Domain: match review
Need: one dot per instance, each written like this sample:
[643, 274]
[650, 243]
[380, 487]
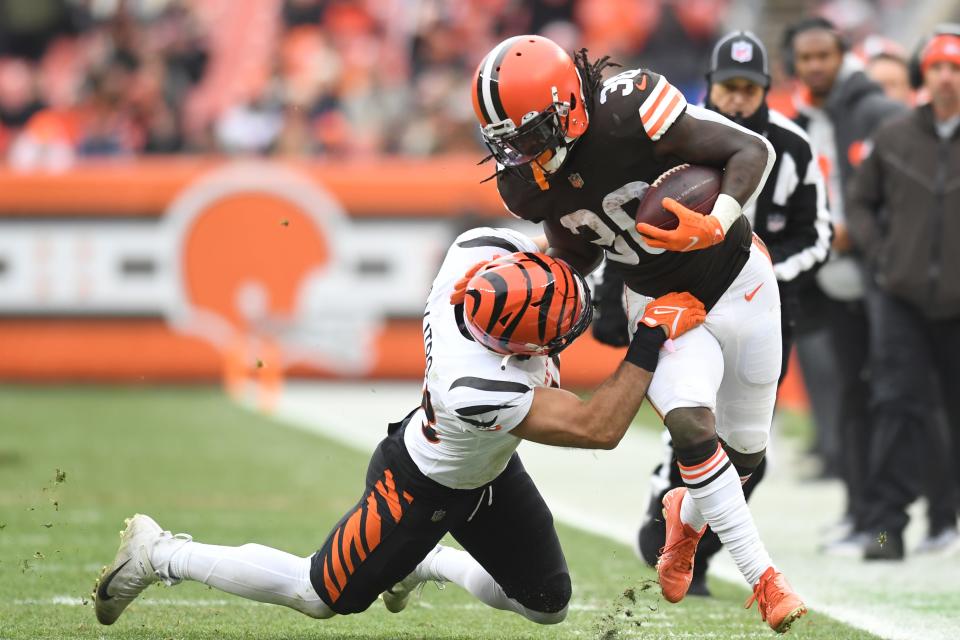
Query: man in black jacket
[840, 109]
[902, 207]
[790, 217]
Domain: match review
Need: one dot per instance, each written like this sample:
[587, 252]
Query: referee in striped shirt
[790, 216]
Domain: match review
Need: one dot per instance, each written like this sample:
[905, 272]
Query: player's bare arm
[743, 156]
[702, 137]
[560, 418]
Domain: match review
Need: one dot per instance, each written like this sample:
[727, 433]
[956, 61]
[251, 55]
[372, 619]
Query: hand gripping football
[694, 186]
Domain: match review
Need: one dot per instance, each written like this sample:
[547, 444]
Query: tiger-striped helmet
[528, 98]
[527, 304]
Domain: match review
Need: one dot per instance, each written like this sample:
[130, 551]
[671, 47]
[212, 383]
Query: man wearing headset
[903, 206]
[791, 218]
[839, 107]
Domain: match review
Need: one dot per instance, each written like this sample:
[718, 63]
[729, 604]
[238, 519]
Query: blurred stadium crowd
[292, 77]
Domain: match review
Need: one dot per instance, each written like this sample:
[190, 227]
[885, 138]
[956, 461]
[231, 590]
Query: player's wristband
[644, 349]
[727, 210]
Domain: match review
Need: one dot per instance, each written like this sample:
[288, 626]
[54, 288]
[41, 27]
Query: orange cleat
[675, 567]
[779, 604]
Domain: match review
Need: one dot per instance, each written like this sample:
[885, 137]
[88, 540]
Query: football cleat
[131, 571]
[395, 598]
[779, 604]
[675, 567]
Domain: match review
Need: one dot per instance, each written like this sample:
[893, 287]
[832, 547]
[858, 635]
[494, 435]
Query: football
[693, 186]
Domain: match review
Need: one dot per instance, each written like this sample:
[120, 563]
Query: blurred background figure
[903, 215]
[885, 62]
[888, 64]
[839, 107]
[335, 77]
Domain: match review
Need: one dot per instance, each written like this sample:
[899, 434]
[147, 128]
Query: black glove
[610, 319]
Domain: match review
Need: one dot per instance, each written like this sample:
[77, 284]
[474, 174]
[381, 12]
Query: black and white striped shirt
[791, 214]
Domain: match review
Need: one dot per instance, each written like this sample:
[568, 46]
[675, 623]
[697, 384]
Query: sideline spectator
[902, 208]
[887, 65]
[839, 110]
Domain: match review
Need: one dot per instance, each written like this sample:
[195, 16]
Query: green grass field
[74, 462]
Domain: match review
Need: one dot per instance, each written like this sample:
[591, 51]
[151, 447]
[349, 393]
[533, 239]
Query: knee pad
[548, 601]
[747, 440]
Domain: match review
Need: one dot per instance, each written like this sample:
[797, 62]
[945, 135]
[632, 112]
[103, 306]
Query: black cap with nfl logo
[740, 55]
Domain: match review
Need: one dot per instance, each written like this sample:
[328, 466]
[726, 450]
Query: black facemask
[756, 122]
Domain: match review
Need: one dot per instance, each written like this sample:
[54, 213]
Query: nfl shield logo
[438, 515]
[575, 180]
[742, 51]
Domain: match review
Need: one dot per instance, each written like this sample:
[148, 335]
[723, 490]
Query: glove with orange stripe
[694, 231]
[677, 313]
[460, 288]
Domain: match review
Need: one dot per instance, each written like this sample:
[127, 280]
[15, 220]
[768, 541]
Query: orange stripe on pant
[389, 494]
[352, 535]
[351, 540]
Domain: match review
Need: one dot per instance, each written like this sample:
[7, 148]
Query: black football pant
[402, 514]
[911, 356]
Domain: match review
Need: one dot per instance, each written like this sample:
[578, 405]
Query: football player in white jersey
[491, 339]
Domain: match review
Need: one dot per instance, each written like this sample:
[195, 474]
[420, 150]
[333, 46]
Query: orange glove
[460, 288]
[695, 231]
[677, 313]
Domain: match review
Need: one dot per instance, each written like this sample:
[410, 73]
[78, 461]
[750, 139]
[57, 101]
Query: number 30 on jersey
[617, 232]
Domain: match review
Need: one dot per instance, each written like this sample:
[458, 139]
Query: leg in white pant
[250, 571]
[459, 567]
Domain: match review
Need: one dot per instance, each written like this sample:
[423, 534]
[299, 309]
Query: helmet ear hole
[573, 101]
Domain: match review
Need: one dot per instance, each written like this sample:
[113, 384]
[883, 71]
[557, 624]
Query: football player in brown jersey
[578, 153]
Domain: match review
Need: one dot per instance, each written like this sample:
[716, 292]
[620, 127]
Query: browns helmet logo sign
[257, 268]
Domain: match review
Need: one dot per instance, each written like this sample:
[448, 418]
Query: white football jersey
[472, 397]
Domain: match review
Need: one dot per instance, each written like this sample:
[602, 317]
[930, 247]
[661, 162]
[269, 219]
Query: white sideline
[884, 599]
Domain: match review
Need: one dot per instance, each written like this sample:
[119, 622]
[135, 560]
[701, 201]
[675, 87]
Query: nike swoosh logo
[749, 296]
[642, 84]
[693, 240]
[102, 589]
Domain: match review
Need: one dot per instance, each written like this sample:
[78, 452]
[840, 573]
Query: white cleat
[395, 598]
[945, 543]
[131, 572]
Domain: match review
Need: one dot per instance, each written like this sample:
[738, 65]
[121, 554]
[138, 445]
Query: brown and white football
[693, 186]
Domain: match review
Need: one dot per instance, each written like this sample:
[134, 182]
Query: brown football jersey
[595, 194]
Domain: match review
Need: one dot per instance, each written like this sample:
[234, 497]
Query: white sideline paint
[605, 492]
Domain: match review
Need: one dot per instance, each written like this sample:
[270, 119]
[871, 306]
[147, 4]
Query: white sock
[689, 514]
[251, 571]
[459, 567]
[716, 498]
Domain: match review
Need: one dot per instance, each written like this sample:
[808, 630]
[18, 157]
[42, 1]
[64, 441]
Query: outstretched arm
[560, 418]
